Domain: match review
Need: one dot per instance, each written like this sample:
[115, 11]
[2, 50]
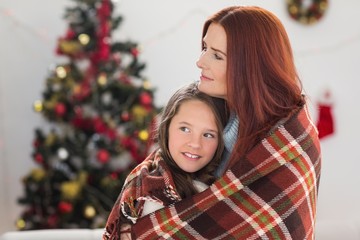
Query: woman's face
[193, 136]
[212, 62]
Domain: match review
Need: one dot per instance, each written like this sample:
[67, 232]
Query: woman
[269, 176]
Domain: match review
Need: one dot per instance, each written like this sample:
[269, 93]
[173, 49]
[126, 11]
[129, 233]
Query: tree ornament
[38, 106]
[62, 153]
[50, 139]
[106, 98]
[52, 221]
[60, 109]
[70, 190]
[125, 116]
[38, 174]
[139, 113]
[69, 47]
[143, 135]
[65, 207]
[102, 79]
[103, 156]
[39, 158]
[134, 52]
[89, 212]
[20, 224]
[61, 72]
[99, 125]
[49, 104]
[145, 99]
[147, 85]
[84, 39]
[310, 14]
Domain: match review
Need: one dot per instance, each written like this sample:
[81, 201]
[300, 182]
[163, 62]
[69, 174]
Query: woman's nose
[200, 62]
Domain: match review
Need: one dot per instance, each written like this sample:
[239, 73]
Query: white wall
[327, 55]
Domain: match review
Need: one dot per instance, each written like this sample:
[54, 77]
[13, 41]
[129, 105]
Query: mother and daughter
[238, 156]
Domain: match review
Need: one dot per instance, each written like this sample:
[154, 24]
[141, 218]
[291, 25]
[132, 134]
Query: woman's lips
[204, 78]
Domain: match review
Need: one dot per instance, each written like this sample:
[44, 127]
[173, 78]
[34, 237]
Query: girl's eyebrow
[188, 124]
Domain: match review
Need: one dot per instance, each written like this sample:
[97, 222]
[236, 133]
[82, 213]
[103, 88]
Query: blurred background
[327, 54]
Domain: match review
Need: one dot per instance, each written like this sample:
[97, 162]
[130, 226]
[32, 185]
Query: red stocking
[325, 122]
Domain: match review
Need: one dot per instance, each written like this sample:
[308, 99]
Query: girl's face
[193, 136]
[212, 62]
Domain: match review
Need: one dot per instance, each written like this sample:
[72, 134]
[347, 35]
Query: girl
[190, 147]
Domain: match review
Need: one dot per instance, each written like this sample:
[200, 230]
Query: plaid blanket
[151, 180]
[269, 194]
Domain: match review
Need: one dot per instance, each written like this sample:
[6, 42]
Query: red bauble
[65, 207]
[145, 99]
[135, 52]
[99, 125]
[36, 143]
[70, 34]
[125, 116]
[60, 109]
[103, 156]
[114, 176]
[52, 221]
[39, 158]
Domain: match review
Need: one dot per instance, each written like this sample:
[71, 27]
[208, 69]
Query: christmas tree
[100, 111]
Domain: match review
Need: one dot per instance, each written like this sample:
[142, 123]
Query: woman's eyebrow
[218, 50]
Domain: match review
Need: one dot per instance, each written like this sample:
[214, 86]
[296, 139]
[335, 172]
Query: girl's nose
[194, 142]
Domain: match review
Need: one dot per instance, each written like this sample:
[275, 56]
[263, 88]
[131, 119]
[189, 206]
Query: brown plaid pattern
[269, 194]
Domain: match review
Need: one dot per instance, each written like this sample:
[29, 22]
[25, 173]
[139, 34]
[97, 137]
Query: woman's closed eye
[217, 56]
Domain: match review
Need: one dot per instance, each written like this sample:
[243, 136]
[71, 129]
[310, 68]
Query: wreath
[307, 15]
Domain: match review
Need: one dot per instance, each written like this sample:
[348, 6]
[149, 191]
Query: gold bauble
[147, 84]
[70, 190]
[143, 135]
[89, 212]
[50, 105]
[38, 174]
[61, 72]
[70, 47]
[102, 79]
[38, 106]
[84, 39]
[20, 224]
[83, 177]
[50, 139]
[139, 112]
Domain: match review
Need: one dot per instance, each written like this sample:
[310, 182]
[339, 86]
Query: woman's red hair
[260, 70]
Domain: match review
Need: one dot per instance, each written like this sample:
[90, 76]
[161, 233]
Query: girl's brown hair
[182, 179]
[263, 85]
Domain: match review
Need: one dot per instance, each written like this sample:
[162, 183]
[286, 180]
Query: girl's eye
[209, 135]
[184, 129]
